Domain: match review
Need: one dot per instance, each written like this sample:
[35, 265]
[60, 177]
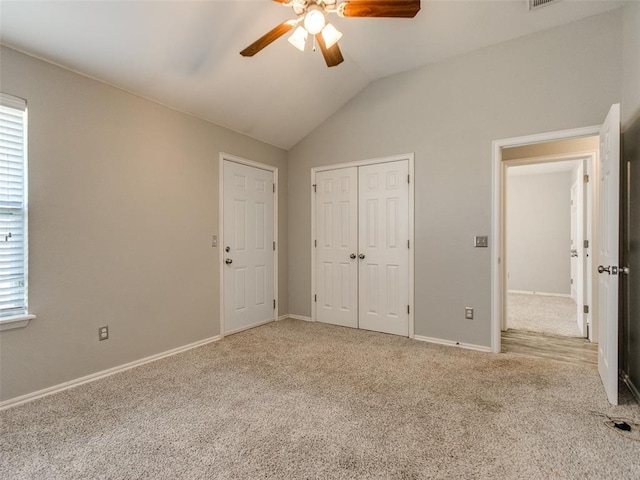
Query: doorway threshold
[573, 350]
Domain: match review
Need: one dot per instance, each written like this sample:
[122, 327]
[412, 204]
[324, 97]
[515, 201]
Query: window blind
[13, 225]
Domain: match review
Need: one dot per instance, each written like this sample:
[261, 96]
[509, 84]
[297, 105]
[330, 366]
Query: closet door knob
[361, 256]
[352, 256]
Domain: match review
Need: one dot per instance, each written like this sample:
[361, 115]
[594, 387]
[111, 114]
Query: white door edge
[410, 157]
[232, 158]
[498, 169]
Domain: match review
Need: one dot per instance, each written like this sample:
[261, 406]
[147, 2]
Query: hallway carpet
[294, 400]
[543, 314]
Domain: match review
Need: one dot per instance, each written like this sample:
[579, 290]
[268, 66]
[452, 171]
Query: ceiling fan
[312, 19]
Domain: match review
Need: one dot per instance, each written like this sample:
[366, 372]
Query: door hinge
[586, 244]
[586, 179]
[408, 243]
[314, 187]
[315, 243]
[274, 188]
[274, 246]
[315, 298]
[585, 309]
[408, 178]
[274, 303]
[408, 309]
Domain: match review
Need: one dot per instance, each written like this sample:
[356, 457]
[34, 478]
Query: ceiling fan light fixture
[331, 35]
[299, 38]
[314, 21]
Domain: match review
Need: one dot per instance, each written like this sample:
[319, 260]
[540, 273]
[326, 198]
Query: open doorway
[548, 226]
[545, 225]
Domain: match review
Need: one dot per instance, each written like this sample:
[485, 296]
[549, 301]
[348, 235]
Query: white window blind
[13, 213]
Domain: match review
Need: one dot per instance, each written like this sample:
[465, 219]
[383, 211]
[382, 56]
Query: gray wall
[538, 214]
[448, 114]
[631, 61]
[123, 203]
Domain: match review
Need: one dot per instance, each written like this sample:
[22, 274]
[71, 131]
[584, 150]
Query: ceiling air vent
[534, 4]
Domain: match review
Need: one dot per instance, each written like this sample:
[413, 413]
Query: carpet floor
[294, 399]
[542, 314]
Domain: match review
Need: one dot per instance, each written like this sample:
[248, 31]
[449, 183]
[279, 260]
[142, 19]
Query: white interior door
[608, 228]
[574, 240]
[383, 247]
[580, 237]
[336, 210]
[248, 229]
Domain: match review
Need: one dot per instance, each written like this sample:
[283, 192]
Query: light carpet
[294, 399]
[543, 314]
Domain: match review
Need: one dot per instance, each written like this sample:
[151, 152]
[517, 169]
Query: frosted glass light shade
[314, 21]
[299, 38]
[331, 35]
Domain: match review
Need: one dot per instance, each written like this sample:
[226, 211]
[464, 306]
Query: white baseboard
[451, 343]
[632, 387]
[547, 294]
[281, 317]
[300, 317]
[29, 397]
[248, 327]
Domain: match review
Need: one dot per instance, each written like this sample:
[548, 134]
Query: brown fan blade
[333, 55]
[267, 39]
[380, 8]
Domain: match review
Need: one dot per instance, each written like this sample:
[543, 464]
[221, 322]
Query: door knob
[227, 249]
[352, 256]
[602, 269]
[228, 261]
[574, 252]
[361, 256]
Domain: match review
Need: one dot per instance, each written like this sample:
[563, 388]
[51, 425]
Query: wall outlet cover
[480, 241]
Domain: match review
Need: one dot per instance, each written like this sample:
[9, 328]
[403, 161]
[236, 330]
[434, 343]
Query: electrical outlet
[214, 241]
[480, 241]
[103, 333]
[468, 313]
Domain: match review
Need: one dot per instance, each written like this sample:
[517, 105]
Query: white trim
[17, 321]
[498, 168]
[546, 294]
[410, 158]
[451, 343]
[263, 166]
[253, 325]
[301, 317]
[282, 317]
[29, 397]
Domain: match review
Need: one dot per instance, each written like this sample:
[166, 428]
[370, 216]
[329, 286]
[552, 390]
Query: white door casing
[574, 241]
[336, 213]
[608, 228]
[248, 246]
[580, 282]
[383, 248]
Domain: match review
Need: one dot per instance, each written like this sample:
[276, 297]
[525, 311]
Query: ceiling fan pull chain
[314, 43]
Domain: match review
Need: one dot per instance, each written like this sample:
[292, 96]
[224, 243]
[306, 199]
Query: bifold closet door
[337, 247]
[383, 248]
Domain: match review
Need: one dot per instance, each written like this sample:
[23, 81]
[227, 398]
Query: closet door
[383, 247]
[337, 247]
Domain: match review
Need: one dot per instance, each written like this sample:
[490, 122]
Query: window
[13, 209]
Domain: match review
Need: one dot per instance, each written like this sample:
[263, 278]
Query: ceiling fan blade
[333, 55]
[380, 8]
[267, 39]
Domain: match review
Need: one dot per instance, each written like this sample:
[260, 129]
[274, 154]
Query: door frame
[590, 158]
[361, 163]
[263, 166]
[498, 253]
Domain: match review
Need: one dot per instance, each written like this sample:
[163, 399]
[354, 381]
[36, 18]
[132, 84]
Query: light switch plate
[214, 241]
[480, 241]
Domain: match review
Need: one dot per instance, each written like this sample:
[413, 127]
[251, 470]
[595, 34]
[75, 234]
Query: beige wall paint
[631, 63]
[448, 114]
[123, 203]
[538, 231]
[559, 147]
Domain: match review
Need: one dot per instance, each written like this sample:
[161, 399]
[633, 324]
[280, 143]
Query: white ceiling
[185, 54]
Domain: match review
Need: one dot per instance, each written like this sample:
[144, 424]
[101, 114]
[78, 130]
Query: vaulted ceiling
[186, 54]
